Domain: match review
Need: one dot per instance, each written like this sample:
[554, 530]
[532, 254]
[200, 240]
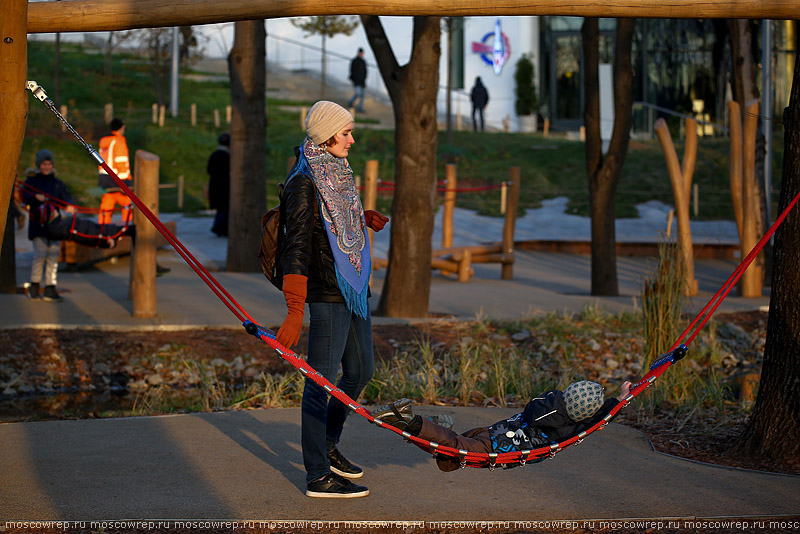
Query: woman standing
[326, 262]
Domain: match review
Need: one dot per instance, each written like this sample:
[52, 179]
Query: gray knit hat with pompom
[583, 399]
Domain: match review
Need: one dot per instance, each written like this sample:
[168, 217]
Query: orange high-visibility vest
[114, 150]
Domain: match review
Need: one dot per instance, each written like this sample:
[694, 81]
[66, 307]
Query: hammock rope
[465, 458]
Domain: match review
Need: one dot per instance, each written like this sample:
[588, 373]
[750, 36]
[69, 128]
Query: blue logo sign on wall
[494, 48]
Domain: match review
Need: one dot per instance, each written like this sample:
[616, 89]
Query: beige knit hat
[325, 119]
[583, 399]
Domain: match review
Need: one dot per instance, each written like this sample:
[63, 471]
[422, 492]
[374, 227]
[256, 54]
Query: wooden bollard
[546, 127]
[108, 112]
[507, 270]
[371, 198]
[180, 192]
[228, 114]
[143, 262]
[194, 114]
[449, 205]
[503, 198]
[735, 162]
[216, 118]
[155, 113]
[750, 285]
[162, 112]
[64, 114]
[680, 191]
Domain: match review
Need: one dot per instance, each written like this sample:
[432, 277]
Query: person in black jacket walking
[325, 260]
[41, 189]
[219, 184]
[549, 418]
[479, 97]
[358, 75]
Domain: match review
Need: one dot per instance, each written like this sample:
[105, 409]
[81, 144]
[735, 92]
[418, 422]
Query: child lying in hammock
[549, 418]
[82, 231]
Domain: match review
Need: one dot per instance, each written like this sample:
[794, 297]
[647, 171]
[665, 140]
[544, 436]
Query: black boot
[33, 291]
[51, 295]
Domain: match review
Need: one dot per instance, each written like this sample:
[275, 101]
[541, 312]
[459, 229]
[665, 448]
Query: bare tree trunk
[413, 89]
[604, 171]
[773, 430]
[247, 68]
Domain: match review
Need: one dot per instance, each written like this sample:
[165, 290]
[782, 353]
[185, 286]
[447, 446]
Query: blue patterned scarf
[343, 219]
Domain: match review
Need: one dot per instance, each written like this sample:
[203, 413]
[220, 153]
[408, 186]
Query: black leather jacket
[305, 248]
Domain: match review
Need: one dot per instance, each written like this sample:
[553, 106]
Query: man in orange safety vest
[114, 150]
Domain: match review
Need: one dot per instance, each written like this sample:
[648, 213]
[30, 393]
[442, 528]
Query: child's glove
[375, 219]
[294, 291]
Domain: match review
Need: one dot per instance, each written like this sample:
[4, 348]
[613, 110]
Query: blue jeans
[357, 95]
[335, 336]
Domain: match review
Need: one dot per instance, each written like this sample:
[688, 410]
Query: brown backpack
[269, 251]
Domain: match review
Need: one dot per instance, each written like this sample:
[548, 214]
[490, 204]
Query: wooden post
[735, 162]
[751, 279]
[696, 199]
[194, 114]
[465, 266]
[155, 113]
[507, 270]
[228, 114]
[63, 114]
[459, 124]
[371, 184]
[13, 96]
[371, 198]
[108, 112]
[449, 205]
[180, 192]
[503, 198]
[681, 194]
[303, 112]
[546, 128]
[162, 111]
[143, 256]
[216, 118]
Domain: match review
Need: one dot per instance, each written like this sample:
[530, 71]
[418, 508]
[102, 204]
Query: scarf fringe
[356, 302]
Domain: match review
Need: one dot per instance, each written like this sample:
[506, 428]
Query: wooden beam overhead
[105, 15]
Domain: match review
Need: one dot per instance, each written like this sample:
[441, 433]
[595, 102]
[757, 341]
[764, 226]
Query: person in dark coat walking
[219, 184]
[479, 97]
[549, 418]
[358, 75]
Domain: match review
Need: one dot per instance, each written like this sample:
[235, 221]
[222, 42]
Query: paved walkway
[248, 465]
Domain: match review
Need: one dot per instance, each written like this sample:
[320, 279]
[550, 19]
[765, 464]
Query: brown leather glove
[294, 291]
[375, 219]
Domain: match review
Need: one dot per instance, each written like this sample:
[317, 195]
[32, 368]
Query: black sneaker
[342, 466]
[332, 486]
[33, 291]
[398, 414]
[51, 295]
